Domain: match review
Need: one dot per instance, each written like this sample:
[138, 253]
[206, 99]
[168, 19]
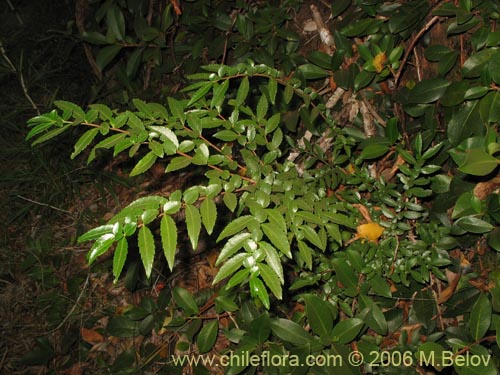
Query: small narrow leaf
[242, 93]
[278, 238]
[168, 232]
[119, 257]
[235, 226]
[232, 245]
[144, 164]
[271, 279]
[177, 163]
[230, 267]
[146, 249]
[193, 222]
[208, 211]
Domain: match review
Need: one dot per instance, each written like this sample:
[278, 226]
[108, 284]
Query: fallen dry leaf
[370, 231]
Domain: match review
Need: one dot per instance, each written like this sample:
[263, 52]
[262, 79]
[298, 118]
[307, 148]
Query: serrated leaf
[235, 226]
[95, 233]
[146, 249]
[318, 315]
[185, 300]
[232, 245]
[177, 108]
[270, 279]
[278, 238]
[306, 253]
[272, 88]
[346, 330]
[144, 164]
[480, 317]
[177, 163]
[262, 107]
[258, 290]
[193, 223]
[230, 200]
[208, 211]
[219, 94]
[273, 260]
[242, 93]
[119, 257]
[168, 233]
[312, 236]
[84, 141]
[51, 134]
[200, 93]
[100, 246]
[230, 267]
[207, 336]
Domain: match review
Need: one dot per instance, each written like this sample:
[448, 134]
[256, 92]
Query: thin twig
[44, 204]
[427, 26]
[74, 306]
[20, 76]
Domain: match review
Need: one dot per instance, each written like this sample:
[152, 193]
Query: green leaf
[273, 260]
[431, 353]
[177, 163]
[270, 279]
[144, 164]
[207, 336]
[474, 225]
[100, 246]
[95, 233]
[428, 91]
[478, 162]
[242, 93]
[146, 249]
[375, 318]
[219, 94]
[232, 245]
[345, 275]
[168, 232]
[363, 79]
[200, 93]
[464, 123]
[305, 253]
[278, 238]
[51, 134]
[374, 150]
[474, 65]
[230, 200]
[290, 331]
[262, 107]
[311, 71]
[318, 315]
[119, 257]
[185, 300]
[133, 63]
[167, 133]
[95, 37]
[338, 7]
[208, 211]
[489, 107]
[235, 226]
[84, 141]
[230, 267]
[272, 88]
[116, 21]
[106, 55]
[480, 317]
[347, 330]
[193, 223]
[177, 108]
[312, 236]
[258, 290]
